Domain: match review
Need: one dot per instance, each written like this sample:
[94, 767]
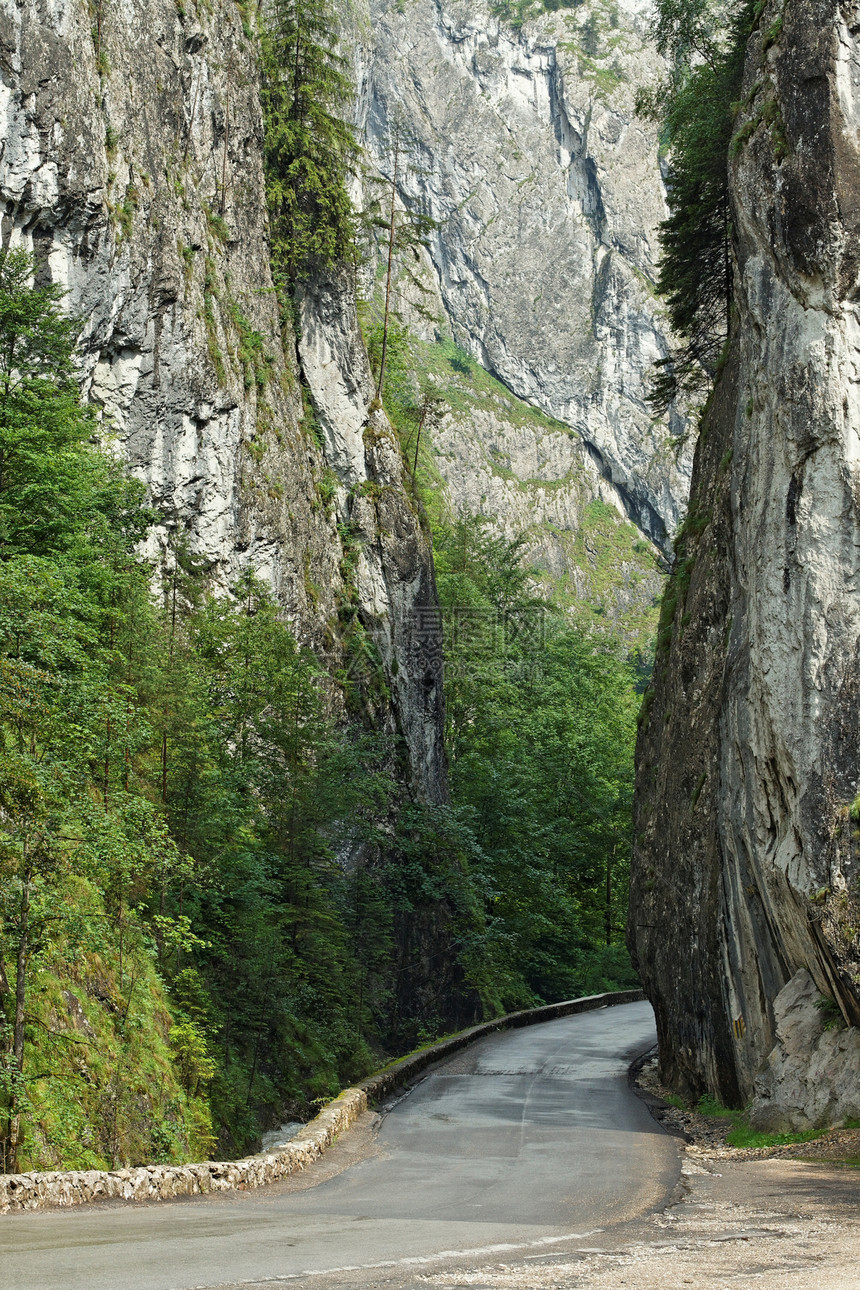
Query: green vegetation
[540, 731]
[465, 385]
[516, 12]
[595, 34]
[686, 551]
[184, 957]
[614, 589]
[404, 232]
[309, 150]
[540, 728]
[603, 547]
[212, 894]
[743, 1136]
[410, 399]
[705, 43]
[831, 1013]
[74, 840]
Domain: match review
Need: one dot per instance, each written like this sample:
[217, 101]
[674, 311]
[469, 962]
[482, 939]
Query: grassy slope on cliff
[598, 567]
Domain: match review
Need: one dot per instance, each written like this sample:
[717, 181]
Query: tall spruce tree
[310, 149]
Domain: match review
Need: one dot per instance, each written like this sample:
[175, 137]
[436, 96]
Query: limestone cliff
[745, 904]
[131, 165]
[531, 476]
[524, 146]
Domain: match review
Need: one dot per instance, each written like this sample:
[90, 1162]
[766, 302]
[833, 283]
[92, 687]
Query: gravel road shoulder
[772, 1224]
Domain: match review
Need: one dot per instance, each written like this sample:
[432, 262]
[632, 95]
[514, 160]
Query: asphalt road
[528, 1140]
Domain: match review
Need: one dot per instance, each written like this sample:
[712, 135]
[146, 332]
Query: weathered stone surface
[810, 1079]
[539, 481]
[161, 1182]
[525, 147]
[132, 167]
[745, 868]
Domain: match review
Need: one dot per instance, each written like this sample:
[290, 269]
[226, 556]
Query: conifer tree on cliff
[704, 42]
[309, 148]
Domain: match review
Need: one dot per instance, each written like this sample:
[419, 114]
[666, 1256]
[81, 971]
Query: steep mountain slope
[524, 146]
[745, 900]
[531, 476]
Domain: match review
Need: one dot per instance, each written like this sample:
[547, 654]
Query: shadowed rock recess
[745, 903]
[131, 166]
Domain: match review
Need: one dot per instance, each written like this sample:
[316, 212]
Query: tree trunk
[391, 231]
[424, 410]
[21, 973]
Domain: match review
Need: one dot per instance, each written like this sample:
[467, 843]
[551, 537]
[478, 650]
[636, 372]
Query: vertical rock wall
[745, 906]
[131, 165]
[524, 146]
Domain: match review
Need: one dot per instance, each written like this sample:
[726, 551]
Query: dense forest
[205, 866]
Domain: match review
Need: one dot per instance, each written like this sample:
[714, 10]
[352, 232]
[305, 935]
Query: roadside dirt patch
[769, 1224]
[837, 1146]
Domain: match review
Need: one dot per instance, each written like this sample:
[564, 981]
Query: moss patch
[106, 1055]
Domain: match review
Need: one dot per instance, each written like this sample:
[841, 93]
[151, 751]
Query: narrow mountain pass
[530, 1139]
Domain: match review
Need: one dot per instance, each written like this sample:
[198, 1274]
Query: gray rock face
[532, 477]
[525, 147]
[810, 1079]
[746, 865]
[131, 165]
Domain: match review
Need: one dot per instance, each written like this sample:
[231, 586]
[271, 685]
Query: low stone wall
[160, 1182]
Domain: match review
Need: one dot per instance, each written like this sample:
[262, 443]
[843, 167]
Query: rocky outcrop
[534, 478]
[810, 1078]
[525, 148]
[745, 867]
[131, 165]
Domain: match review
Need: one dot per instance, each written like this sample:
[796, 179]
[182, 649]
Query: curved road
[527, 1141]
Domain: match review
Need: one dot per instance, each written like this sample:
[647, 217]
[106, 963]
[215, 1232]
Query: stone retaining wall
[160, 1182]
